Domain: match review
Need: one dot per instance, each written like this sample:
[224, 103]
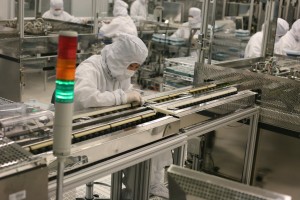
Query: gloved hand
[134, 96]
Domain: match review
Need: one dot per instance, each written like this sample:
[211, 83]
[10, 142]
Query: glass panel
[30, 8]
[73, 15]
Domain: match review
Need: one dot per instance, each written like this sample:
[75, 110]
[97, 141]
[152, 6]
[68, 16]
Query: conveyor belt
[175, 95]
[106, 111]
[193, 91]
[34, 133]
[197, 99]
[95, 131]
[205, 98]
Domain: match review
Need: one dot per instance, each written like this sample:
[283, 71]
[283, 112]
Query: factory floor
[278, 159]
[102, 190]
[277, 162]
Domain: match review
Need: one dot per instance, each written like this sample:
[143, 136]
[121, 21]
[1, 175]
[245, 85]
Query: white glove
[134, 96]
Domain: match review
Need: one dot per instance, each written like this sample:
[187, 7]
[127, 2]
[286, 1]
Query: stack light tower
[64, 97]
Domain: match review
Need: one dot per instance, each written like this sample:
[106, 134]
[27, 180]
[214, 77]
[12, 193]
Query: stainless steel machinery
[279, 124]
[30, 45]
[279, 66]
[22, 175]
[182, 183]
[107, 140]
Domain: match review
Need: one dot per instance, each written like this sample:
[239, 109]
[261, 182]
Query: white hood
[127, 49]
[295, 30]
[282, 27]
[194, 16]
[120, 8]
[56, 4]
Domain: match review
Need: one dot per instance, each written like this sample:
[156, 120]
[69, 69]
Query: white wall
[102, 6]
[80, 8]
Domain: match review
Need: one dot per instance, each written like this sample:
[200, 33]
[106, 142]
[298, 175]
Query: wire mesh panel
[11, 153]
[4, 101]
[279, 95]
[186, 184]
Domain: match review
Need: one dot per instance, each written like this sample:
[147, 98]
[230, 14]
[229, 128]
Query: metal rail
[116, 164]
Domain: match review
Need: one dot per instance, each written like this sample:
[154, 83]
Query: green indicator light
[64, 91]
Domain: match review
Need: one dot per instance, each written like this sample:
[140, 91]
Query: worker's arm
[87, 93]
[112, 29]
[178, 33]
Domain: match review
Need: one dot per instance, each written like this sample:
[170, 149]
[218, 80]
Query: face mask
[128, 74]
[57, 12]
[192, 21]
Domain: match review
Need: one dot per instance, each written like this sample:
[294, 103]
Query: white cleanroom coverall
[104, 80]
[290, 41]
[193, 22]
[57, 12]
[138, 10]
[122, 23]
[253, 48]
[281, 29]
[184, 30]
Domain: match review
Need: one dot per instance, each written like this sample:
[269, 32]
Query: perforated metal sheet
[5, 101]
[234, 106]
[278, 94]
[197, 185]
[11, 153]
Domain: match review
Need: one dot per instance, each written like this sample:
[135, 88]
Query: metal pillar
[142, 181]
[250, 15]
[116, 186]
[253, 114]
[224, 9]
[280, 8]
[287, 9]
[21, 18]
[89, 191]
[266, 28]
[212, 30]
[250, 150]
[298, 11]
[178, 155]
[137, 182]
[60, 176]
[202, 46]
[95, 14]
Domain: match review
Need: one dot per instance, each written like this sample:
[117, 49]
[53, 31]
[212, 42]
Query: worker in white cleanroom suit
[281, 29]
[290, 41]
[138, 10]
[104, 80]
[57, 12]
[253, 48]
[122, 23]
[194, 21]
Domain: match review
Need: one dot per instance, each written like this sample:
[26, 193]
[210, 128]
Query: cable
[104, 184]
